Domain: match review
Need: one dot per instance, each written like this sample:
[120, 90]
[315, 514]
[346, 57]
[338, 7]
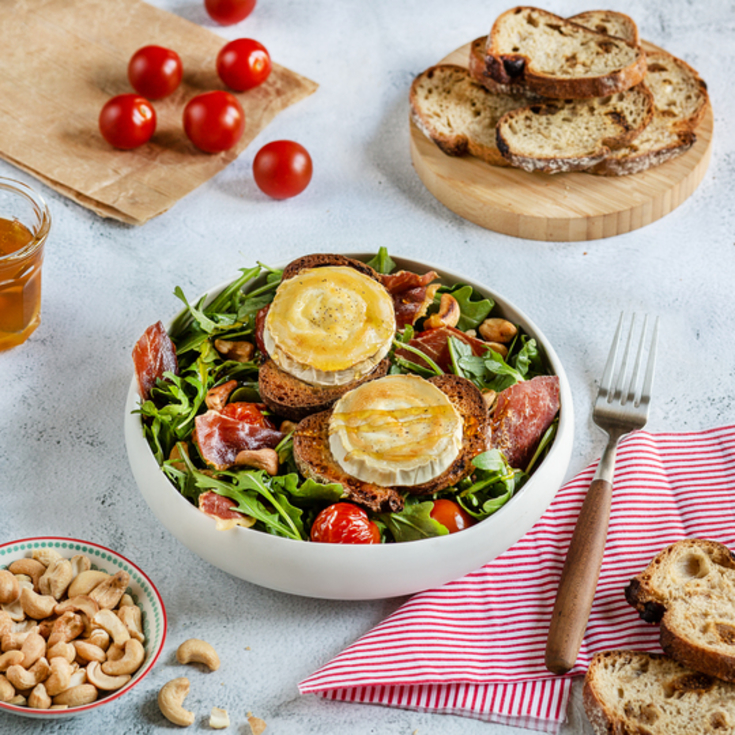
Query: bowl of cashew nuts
[80, 625]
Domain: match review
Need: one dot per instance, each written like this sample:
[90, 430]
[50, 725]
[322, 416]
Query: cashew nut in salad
[501, 349]
[489, 396]
[261, 459]
[197, 651]
[448, 314]
[133, 657]
[171, 699]
[216, 398]
[495, 329]
[240, 351]
[9, 587]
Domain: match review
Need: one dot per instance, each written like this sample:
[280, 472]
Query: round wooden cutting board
[558, 207]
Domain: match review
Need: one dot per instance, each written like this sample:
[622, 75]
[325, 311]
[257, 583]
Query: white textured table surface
[63, 467]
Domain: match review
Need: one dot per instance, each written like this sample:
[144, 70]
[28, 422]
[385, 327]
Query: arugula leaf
[309, 490]
[382, 262]
[414, 522]
[492, 485]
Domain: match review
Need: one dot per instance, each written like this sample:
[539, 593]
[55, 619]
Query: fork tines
[646, 355]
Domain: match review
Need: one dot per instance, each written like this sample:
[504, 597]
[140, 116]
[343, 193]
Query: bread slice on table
[690, 588]
[572, 135]
[315, 460]
[288, 396]
[558, 58]
[458, 114]
[628, 692]
[680, 100]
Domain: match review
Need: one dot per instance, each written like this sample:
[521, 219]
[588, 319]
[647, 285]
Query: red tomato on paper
[344, 523]
[214, 121]
[127, 121]
[282, 169]
[155, 71]
[243, 64]
[227, 12]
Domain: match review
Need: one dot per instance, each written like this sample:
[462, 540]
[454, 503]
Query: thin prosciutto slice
[153, 354]
[409, 294]
[434, 343]
[523, 412]
[221, 509]
[222, 435]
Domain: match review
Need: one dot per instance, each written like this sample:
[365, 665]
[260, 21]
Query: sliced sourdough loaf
[680, 100]
[632, 692]
[690, 588]
[459, 114]
[572, 135]
[558, 58]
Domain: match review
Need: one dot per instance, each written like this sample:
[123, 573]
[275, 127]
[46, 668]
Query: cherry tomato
[344, 523]
[127, 121]
[451, 515]
[243, 64]
[227, 12]
[214, 121]
[155, 72]
[249, 413]
[282, 169]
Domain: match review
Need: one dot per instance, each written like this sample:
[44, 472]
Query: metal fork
[617, 411]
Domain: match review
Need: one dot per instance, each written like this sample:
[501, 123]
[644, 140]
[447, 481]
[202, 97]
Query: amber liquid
[20, 284]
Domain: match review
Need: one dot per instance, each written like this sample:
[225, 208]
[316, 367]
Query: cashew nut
[197, 651]
[287, 427]
[216, 398]
[56, 579]
[240, 351]
[85, 582]
[60, 677]
[30, 567]
[77, 696]
[133, 620]
[448, 314]
[107, 594]
[9, 587]
[6, 622]
[170, 701]
[112, 624]
[489, 396]
[7, 690]
[83, 603]
[66, 628]
[261, 459]
[495, 329]
[10, 658]
[102, 681]
[36, 606]
[15, 609]
[219, 719]
[100, 638]
[46, 556]
[78, 677]
[39, 698]
[18, 700]
[63, 649]
[501, 349]
[130, 662]
[14, 639]
[22, 678]
[115, 652]
[86, 652]
[80, 563]
[34, 646]
[126, 600]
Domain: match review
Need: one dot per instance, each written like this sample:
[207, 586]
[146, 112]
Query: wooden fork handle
[579, 579]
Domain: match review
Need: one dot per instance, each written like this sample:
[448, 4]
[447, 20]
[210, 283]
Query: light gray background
[63, 467]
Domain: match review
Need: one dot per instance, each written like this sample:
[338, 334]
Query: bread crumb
[257, 725]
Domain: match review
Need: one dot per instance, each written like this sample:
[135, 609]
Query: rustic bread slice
[557, 58]
[680, 100]
[572, 135]
[690, 588]
[314, 458]
[288, 396]
[458, 114]
[632, 692]
[609, 22]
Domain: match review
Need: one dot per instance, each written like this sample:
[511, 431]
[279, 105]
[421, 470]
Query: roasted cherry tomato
[227, 12]
[282, 169]
[344, 523]
[451, 515]
[214, 121]
[250, 413]
[155, 72]
[243, 64]
[127, 121]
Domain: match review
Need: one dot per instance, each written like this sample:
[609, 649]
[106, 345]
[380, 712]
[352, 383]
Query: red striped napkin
[475, 646]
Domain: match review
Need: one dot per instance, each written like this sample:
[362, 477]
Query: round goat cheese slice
[329, 325]
[400, 430]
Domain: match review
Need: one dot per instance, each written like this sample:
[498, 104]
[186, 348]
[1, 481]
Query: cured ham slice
[523, 412]
[153, 354]
[409, 294]
[434, 343]
[221, 509]
[222, 435]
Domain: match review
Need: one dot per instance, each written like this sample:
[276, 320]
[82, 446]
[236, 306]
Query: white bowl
[141, 589]
[359, 572]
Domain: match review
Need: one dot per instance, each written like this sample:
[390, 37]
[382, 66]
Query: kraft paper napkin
[63, 59]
